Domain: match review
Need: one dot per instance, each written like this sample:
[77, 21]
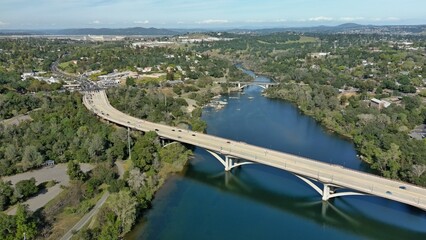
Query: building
[379, 104]
[319, 54]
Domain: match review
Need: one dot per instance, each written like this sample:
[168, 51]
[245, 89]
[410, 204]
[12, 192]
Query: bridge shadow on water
[311, 208]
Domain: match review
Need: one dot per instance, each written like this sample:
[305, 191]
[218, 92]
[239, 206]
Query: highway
[97, 102]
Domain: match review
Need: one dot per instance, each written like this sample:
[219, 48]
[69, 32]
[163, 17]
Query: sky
[57, 14]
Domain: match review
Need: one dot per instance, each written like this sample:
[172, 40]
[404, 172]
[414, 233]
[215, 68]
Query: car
[389, 192]
[228, 142]
[179, 130]
[403, 187]
[173, 130]
[179, 137]
[157, 130]
[193, 135]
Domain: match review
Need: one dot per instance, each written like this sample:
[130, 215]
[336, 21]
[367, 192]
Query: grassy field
[304, 39]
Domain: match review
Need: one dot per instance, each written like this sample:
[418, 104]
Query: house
[379, 104]
[319, 54]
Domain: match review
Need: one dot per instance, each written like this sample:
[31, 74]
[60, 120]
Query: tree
[123, 204]
[6, 193]
[31, 158]
[25, 224]
[144, 151]
[74, 171]
[130, 81]
[175, 152]
[7, 227]
[388, 161]
[411, 102]
[25, 188]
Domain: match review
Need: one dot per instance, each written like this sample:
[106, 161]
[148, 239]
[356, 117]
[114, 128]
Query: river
[260, 202]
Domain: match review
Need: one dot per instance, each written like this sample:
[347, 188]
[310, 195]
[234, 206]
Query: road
[57, 173]
[336, 175]
[85, 219]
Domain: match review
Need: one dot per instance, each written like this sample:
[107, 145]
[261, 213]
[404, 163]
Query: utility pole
[128, 141]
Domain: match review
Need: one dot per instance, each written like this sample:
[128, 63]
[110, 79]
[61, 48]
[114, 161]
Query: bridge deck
[323, 172]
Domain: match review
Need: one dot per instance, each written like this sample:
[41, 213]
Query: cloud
[254, 21]
[321, 18]
[393, 19]
[213, 21]
[2, 23]
[96, 22]
[281, 20]
[141, 22]
[351, 18]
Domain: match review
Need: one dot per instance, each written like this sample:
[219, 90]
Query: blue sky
[43, 14]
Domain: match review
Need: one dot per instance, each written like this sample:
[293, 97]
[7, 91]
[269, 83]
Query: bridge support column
[229, 162]
[326, 192]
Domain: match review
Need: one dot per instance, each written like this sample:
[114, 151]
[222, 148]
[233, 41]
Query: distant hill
[343, 28]
[94, 31]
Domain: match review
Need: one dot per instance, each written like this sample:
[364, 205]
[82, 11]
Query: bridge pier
[328, 190]
[229, 162]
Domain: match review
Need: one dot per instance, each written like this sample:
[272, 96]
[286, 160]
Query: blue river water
[260, 202]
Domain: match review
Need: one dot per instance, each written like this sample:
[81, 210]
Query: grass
[304, 39]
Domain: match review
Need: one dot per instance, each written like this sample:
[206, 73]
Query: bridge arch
[328, 189]
[228, 162]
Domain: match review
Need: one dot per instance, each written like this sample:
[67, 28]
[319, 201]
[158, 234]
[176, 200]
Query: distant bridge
[242, 85]
[336, 180]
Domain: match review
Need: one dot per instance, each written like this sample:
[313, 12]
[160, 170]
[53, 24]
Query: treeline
[381, 137]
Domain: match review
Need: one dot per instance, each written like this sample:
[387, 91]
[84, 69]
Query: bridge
[242, 85]
[335, 180]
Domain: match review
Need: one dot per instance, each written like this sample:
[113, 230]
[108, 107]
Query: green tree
[6, 193]
[25, 225]
[130, 82]
[388, 162]
[31, 158]
[74, 171]
[25, 188]
[7, 227]
[144, 151]
[123, 204]
[175, 152]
